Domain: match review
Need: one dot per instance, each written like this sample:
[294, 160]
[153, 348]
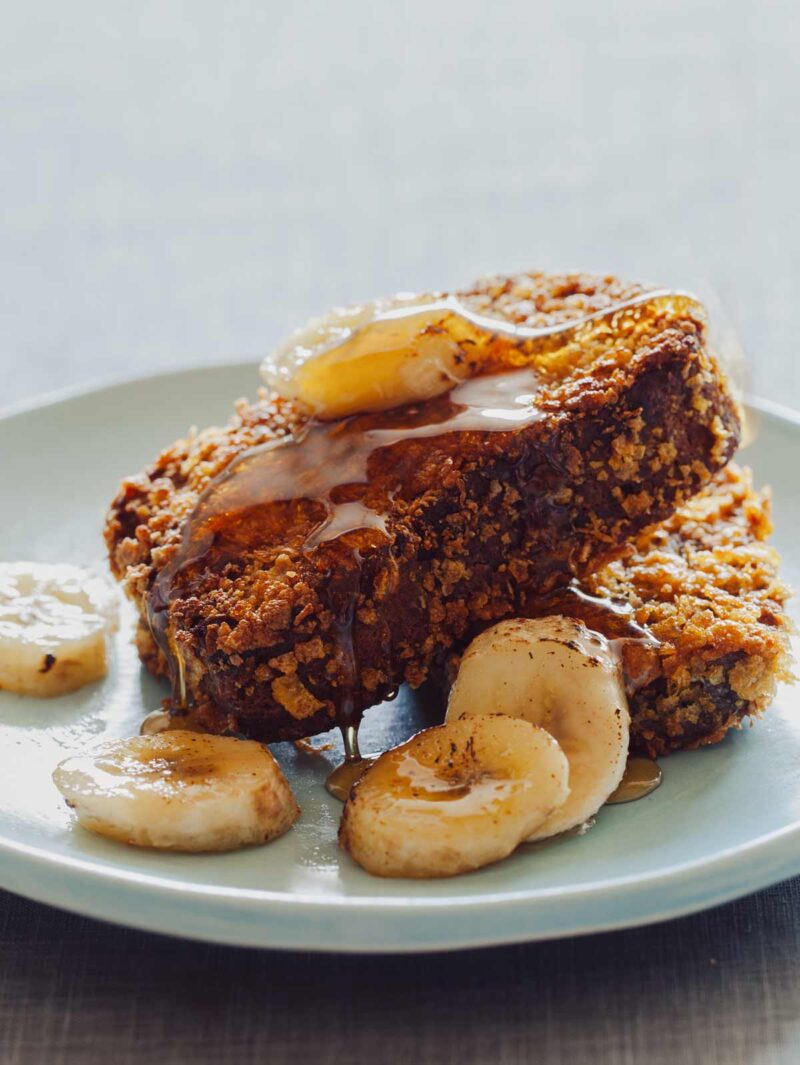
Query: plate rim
[699, 884]
[683, 888]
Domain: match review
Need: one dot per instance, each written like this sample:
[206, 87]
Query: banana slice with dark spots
[554, 673]
[454, 798]
[180, 791]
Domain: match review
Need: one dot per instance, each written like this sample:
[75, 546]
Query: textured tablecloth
[719, 988]
[182, 183]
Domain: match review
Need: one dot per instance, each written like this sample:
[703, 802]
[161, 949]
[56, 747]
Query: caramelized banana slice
[180, 791]
[55, 624]
[372, 356]
[557, 674]
[391, 352]
[454, 798]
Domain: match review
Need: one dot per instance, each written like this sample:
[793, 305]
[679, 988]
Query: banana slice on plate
[454, 798]
[554, 673]
[55, 623]
[180, 791]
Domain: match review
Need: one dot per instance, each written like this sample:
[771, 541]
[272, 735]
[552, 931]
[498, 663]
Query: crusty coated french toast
[705, 584]
[453, 521]
[701, 612]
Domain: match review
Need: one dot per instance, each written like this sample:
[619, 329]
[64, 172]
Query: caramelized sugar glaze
[636, 647]
[312, 491]
[375, 543]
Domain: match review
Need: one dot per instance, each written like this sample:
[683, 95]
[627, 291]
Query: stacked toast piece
[620, 479]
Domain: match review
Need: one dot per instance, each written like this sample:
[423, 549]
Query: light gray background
[184, 183]
[187, 182]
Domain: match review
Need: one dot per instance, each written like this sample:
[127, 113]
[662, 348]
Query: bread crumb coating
[705, 583]
[630, 423]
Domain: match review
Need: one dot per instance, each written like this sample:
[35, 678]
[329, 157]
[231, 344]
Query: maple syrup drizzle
[637, 651]
[641, 778]
[310, 492]
[341, 779]
[387, 353]
[635, 646]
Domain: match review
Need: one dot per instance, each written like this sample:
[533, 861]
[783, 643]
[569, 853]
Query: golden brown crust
[626, 432]
[537, 299]
[705, 584]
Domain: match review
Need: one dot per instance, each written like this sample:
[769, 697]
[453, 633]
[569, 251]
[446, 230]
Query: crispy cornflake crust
[705, 584]
[626, 433]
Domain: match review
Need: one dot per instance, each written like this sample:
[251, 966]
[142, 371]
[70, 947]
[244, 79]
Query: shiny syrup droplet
[344, 776]
[341, 779]
[642, 776]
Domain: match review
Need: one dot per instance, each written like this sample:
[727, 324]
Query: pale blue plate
[725, 822]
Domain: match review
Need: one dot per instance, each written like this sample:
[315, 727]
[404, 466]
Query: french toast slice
[278, 641]
[705, 584]
[701, 599]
